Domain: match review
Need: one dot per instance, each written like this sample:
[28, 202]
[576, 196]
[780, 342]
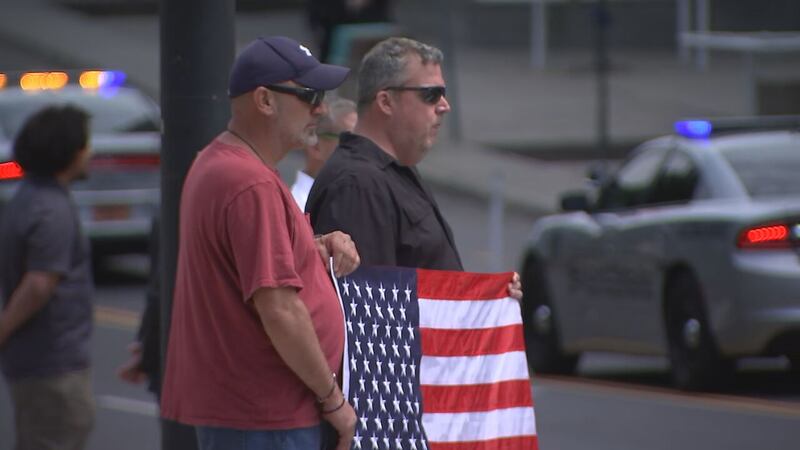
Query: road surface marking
[128, 405]
[695, 399]
[116, 317]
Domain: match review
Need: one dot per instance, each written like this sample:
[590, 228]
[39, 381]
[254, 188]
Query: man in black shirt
[370, 187]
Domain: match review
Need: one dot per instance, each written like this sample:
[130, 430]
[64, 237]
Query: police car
[121, 195]
[689, 250]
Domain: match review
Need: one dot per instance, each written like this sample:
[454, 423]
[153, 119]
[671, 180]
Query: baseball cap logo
[306, 50]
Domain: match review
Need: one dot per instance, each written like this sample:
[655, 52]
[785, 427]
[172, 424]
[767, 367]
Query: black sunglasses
[428, 94]
[313, 97]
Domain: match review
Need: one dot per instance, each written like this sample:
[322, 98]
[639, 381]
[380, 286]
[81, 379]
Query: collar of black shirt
[367, 149]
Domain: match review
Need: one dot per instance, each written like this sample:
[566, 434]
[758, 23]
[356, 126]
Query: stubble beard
[309, 137]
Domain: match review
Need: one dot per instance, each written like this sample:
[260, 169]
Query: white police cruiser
[689, 250]
[121, 195]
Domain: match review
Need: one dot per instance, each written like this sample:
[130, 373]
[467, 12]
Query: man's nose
[443, 106]
[320, 109]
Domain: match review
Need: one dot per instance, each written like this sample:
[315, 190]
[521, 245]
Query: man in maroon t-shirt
[257, 331]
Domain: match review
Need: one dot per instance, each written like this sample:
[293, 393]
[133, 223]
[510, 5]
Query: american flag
[435, 360]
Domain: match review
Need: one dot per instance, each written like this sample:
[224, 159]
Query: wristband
[321, 400]
[335, 409]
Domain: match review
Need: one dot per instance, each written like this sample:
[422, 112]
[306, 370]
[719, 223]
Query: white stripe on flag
[452, 370]
[345, 355]
[466, 314]
[479, 426]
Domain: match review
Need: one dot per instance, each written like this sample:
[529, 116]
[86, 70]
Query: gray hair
[337, 107]
[385, 65]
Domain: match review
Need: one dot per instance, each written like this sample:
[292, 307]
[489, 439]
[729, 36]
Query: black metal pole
[602, 20]
[197, 49]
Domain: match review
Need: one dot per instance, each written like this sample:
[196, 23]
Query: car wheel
[695, 360]
[542, 341]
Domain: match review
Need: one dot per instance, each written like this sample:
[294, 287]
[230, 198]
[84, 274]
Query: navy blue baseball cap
[271, 60]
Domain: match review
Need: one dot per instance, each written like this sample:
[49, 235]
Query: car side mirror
[597, 173]
[575, 201]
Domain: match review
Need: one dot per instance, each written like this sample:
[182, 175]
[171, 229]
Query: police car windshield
[767, 167]
[119, 111]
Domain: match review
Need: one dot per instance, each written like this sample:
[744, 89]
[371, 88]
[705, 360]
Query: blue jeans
[212, 438]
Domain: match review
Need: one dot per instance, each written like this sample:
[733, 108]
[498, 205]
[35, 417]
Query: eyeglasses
[428, 94]
[313, 97]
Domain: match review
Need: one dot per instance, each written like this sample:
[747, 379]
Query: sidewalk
[502, 103]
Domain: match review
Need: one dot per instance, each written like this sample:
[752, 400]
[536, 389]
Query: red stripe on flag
[474, 342]
[513, 443]
[476, 397]
[449, 285]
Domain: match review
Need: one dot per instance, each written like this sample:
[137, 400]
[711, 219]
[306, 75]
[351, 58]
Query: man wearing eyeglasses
[341, 116]
[256, 337]
[370, 187]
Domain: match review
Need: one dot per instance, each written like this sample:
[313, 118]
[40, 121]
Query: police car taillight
[10, 171]
[768, 236]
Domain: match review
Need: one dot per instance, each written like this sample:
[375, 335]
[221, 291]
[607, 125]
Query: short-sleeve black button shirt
[384, 206]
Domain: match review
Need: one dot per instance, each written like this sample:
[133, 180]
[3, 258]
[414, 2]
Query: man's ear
[263, 100]
[385, 101]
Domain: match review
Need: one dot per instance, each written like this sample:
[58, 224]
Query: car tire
[695, 360]
[542, 340]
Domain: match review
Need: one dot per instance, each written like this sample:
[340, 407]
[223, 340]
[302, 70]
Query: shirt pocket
[417, 211]
[421, 237]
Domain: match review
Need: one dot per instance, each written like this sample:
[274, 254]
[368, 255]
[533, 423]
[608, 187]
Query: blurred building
[634, 25]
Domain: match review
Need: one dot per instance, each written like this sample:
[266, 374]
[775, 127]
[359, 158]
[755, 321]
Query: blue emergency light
[693, 129]
[113, 79]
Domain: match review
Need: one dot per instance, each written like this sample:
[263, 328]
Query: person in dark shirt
[144, 363]
[370, 187]
[46, 286]
[341, 116]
